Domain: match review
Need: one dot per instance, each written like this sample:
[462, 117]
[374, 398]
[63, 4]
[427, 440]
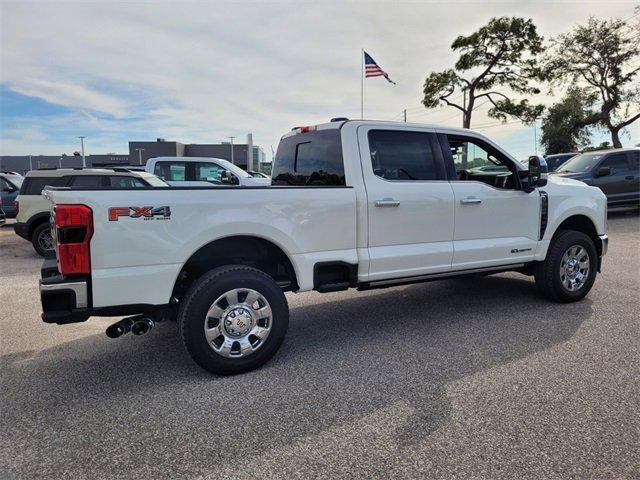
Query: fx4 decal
[146, 213]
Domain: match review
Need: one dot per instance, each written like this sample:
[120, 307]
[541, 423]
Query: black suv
[615, 172]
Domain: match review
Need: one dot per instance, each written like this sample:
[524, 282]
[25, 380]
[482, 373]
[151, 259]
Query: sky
[199, 72]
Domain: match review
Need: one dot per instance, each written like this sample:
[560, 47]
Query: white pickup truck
[354, 204]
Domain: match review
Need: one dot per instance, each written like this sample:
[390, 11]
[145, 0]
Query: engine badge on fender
[146, 213]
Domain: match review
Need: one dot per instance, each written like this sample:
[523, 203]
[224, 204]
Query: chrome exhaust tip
[120, 328]
[142, 326]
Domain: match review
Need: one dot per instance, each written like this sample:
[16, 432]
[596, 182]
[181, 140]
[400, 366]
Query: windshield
[580, 163]
[237, 171]
[155, 181]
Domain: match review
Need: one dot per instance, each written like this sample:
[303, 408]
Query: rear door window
[312, 159]
[403, 156]
[119, 181]
[87, 181]
[35, 185]
[171, 171]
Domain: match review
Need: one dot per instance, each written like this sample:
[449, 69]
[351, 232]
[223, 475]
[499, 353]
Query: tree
[602, 146]
[599, 57]
[562, 129]
[500, 55]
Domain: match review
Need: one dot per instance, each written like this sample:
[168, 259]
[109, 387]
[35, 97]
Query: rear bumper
[63, 300]
[68, 300]
[22, 229]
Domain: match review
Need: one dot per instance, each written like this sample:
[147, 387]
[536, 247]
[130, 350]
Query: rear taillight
[17, 205]
[307, 129]
[74, 228]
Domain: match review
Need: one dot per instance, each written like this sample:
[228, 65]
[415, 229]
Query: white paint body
[136, 261]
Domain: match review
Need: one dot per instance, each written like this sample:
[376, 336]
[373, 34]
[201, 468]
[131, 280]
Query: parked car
[10, 183]
[32, 221]
[557, 159]
[201, 172]
[615, 172]
[355, 204]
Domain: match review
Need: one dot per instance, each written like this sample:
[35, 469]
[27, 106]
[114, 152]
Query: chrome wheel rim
[45, 240]
[574, 268]
[238, 323]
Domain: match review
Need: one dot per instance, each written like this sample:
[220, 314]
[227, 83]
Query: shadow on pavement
[96, 403]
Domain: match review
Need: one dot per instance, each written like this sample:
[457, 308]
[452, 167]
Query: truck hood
[574, 175]
[567, 185]
[567, 178]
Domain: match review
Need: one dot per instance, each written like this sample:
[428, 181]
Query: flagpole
[362, 84]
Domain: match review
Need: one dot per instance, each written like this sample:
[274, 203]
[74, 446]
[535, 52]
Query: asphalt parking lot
[475, 377]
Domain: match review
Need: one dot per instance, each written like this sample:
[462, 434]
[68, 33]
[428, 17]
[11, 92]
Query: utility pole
[362, 84]
[465, 145]
[231, 138]
[405, 115]
[140, 150]
[464, 103]
[82, 137]
[30, 163]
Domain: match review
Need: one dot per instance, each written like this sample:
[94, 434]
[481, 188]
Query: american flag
[371, 69]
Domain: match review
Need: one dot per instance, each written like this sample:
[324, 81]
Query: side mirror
[537, 174]
[229, 178]
[603, 172]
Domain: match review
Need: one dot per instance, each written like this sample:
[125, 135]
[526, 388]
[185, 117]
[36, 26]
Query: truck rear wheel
[568, 272]
[233, 319]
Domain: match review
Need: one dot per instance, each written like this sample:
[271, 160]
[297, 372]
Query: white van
[201, 172]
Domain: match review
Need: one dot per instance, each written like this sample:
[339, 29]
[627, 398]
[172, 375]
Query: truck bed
[309, 224]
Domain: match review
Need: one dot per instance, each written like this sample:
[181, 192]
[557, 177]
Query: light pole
[140, 150]
[82, 137]
[231, 138]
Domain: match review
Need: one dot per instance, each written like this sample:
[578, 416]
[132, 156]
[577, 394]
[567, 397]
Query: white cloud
[197, 72]
[71, 95]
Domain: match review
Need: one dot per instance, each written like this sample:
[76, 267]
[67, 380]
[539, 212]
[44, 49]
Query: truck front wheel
[233, 319]
[568, 272]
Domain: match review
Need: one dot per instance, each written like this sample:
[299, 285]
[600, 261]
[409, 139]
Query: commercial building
[24, 163]
[141, 151]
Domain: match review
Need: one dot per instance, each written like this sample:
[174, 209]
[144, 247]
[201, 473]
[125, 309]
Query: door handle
[471, 201]
[387, 202]
[629, 177]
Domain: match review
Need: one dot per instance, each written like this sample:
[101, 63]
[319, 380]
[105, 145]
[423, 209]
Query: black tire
[547, 273]
[198, 300]
[44, 229]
